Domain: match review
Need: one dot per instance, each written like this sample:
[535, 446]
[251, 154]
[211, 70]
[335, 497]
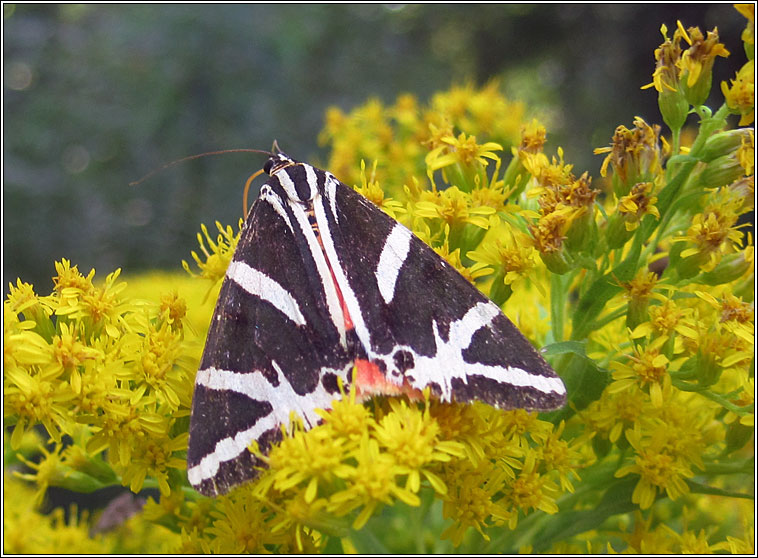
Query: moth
[323, 281]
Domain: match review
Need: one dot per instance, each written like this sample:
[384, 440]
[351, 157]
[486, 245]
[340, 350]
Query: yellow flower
[529, 490]
[635, 156]
[748, 35]
[562, 456]
[413, 439]
[549, 234]
[69, 278]
[736, 316]
[666, 75]
[740, 97]
[648, 370]
[638, 203]
[50, 471]
[36, 398]
[454, 208]
[371, 190]
[746, 157]
[239, 526]
[221, 251]
[615, 413]
[696, 63]
[307, 458]
[713, 233]
[153, 457]
[658, 469]
[469, 502]
[533, 136]
[461, 150]
[173, 308]
[509, 254]
[671, 100]
[370, 483]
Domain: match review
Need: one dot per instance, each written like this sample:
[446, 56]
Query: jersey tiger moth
[321, 281]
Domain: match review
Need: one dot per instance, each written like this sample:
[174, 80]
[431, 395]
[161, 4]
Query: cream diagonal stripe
[395, 251]
[264, 287]
[283, 400]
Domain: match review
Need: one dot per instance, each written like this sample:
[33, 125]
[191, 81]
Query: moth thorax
[299, 182]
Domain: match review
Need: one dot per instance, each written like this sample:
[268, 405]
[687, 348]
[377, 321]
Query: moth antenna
[247, 189]
[199, 155]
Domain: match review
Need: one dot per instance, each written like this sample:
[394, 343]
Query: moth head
[276, 162]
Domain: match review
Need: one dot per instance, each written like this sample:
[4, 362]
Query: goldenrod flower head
[237, 526]
[671, 100]
[154, 457]
[470, 503]
[372, 481]
[436, 133]
[696, 63]
[370, 189]
[635, 156]
[719, 348]
[638, 203]
[639, 291]
[646, 369]
[454, 208]
[748, 35]
[530, 491]
[23, 300]
[69, 278]
[50, 471]
[666, 319]
[556, 184]
[740, 96]
[508, 253]
[533, 136]
[413, 439]
[462, 150]
[549, 233]
[33, 398]
[614, 413]
[213, 267]
[484, 111]
[666, 75]
[713, 233]
[659, 464]
[548, 173]
[307, 457]
[746, 156]
[562, 456]
[641, 287]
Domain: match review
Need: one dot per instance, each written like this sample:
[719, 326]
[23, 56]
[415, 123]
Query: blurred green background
[96, 96]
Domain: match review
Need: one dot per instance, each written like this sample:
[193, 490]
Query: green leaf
[564, 347]
[601, 291]
[616, 500]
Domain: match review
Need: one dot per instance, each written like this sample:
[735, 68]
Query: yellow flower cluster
[107, 375]
[640, 289]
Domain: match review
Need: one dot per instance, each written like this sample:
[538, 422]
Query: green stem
[729, 406]
[558, 305]
[730, 468]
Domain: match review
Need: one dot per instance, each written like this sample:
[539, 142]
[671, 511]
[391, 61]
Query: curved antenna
[207, 154]
[247, 189]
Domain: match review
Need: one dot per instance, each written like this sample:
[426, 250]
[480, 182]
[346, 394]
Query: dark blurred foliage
[96, 96]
